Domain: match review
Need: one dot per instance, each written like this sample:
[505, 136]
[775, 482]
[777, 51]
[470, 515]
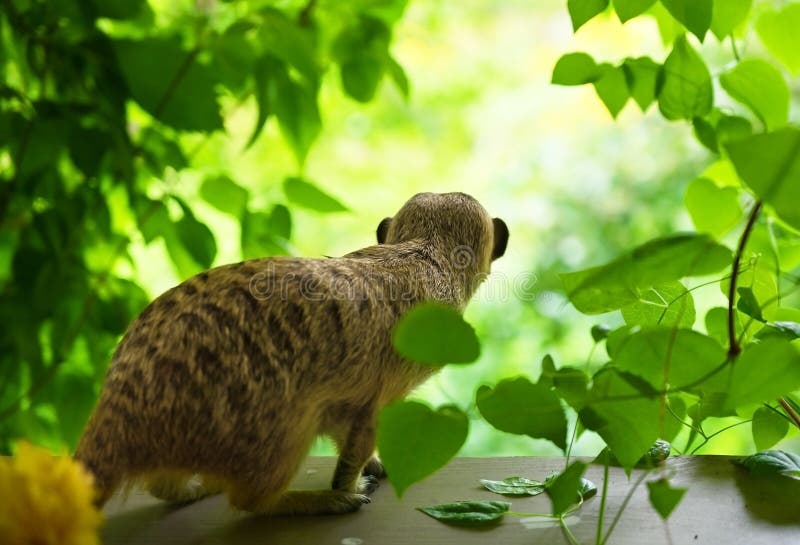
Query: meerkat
[222, 383]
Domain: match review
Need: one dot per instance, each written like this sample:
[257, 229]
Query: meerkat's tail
[97, 458]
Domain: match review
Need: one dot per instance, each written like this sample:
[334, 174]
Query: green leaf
[628, 420]
[732, 127]
[786, 330]
[262, 73]
[264, 234]
[118, 9]
[778, 31]
[514, 486]
[581, 11]
[566, 487]
[763, 372]
[713, 209]
[695, 15]
[727, 15]
[471, 513]
[294, 103]
[225, 195]
[519, 406]
[280, 222]
[290, 43]
[668, 304]
[612, 88]
[669, 357]
[620, 282]
[399, 77]
[575, 69]
[572, 385]
[362, 51]
[663, 497]
[303, 193]
[705, 133]
[184, 96]
[197, 239]
[760, 86]
[686, 90]
[415, 441]
[642, 75]
[749, 304]
[772, 463]
[770, 165]
[628, 9]
[768, 427]
[435, 334]
[654, 457]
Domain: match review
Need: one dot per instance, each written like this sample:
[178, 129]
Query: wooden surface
[723, 506]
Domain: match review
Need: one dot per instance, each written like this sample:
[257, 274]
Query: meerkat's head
[455, 223]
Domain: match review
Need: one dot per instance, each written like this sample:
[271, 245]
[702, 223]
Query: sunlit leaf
[686, 90]
[669, 357]
[768, 427]
[225, 195]
[695, 15]
[415, 441]
[362, 51]
[522, 407]
[435, 334]
[581, 11]
[612, 88]
[619, 283]
[770, 165]
[763, 372]
[727, 15]
[760, 86]
[713, 209]
[576, 69]
[778, 31]
[304, 193]
[628, 9]
[642, 76]
[663, 304]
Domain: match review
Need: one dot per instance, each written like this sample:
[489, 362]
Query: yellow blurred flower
[46, 500]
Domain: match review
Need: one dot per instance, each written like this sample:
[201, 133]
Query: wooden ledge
[723, 506]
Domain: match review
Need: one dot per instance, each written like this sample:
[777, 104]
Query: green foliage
[768, 426]
[576, 69]
[522, 407]
[686, 90]
[778, 31]
[760, 86]
[435, 334]
[663, 304]
[772, 463]
[105, 108]
[469, 513]
[415, 441]
[581, 11]
[714, 210]
[765, 371]
[567, 486]
[727, 16]
[695, 15]
[664, 497]
[628, 9]
[514, 486]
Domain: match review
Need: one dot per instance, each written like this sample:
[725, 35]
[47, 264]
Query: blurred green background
[574, 186]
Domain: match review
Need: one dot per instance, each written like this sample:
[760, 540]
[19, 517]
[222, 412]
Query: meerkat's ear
[383, 229]
[500, 238]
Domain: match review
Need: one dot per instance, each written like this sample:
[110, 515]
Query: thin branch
[734, 347]
[176, 81]
[735, 49]
[790, 411]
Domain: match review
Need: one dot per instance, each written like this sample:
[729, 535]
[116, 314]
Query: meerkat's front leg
[357, 455]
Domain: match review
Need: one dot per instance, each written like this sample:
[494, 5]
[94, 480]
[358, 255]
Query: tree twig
[790, 411]
[734, 348]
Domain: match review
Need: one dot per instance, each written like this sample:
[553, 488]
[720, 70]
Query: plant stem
[599, 539]
[183, 69]
[570, 536]
[734, 348]
[622, 507]
[735, 50]
[790, 411]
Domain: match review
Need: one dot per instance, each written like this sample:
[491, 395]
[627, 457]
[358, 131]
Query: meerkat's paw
[374, 467]
[367, 484]
[304, 502]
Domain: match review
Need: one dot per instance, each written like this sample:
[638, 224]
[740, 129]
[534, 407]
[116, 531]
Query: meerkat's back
[224, 381]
